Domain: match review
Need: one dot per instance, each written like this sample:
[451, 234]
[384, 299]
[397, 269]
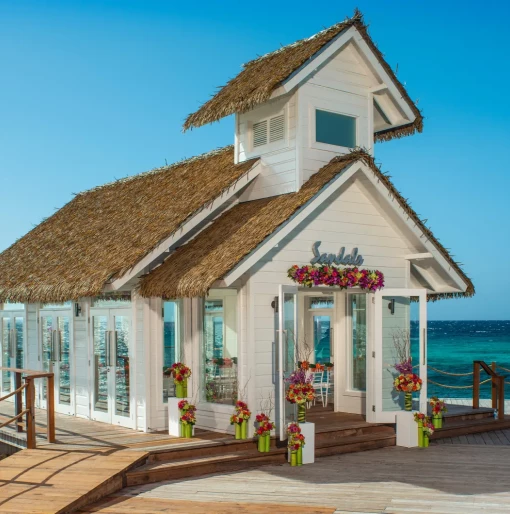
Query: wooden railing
[497, 389]
[24, 380]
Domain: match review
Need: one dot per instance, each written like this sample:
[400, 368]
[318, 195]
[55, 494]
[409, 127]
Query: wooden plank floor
[444, 479]
[495, 438]
[44, 481]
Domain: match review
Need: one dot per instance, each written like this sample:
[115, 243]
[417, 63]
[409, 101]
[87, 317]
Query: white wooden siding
[82, 369]
[279, 158]
[31, 343]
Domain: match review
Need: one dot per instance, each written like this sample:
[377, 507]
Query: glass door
[12, 346]
[400, 333]
[111, 397]
[286, 351]
[57, 356]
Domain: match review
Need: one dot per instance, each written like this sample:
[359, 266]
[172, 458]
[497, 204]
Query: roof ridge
[160, 169]
[357, 17]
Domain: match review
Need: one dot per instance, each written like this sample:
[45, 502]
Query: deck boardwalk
[443, 479]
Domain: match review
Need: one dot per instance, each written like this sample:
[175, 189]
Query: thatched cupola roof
[103, 232]
[194, 267]
[261, 77]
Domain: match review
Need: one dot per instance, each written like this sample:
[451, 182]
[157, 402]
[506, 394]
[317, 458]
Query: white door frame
[12, 315]
[110, 416]
[284, 289]
[375, 413]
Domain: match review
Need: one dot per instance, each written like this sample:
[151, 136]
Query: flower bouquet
[264, 432]
[300, 391]
[408, 384]
[428, 430]
[425, 429]
[180, 373]
[187, 419]
[438, 407]
[295, 443]
[239, 419]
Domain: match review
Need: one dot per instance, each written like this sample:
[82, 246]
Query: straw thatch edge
[204, 115]
[147, 287]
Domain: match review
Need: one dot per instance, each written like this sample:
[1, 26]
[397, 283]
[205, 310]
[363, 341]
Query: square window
[336, 129]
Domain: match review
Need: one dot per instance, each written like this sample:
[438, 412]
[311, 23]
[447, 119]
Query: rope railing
[449, 373]
[13, 393]
[456, 387]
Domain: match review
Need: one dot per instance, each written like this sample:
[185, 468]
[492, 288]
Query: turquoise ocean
[454, 345]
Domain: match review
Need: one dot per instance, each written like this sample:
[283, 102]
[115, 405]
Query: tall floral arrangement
[295, 443]
[300, 390]
[188, 417]
[327, 275]
[239, 419]
[180, 373]
[264, 432]
[408, 384]
[438, 407]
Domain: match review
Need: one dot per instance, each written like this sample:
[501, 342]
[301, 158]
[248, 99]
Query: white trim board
[307, 209]
[327, 52]
[186, 227]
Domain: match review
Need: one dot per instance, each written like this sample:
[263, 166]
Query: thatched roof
[194, 267]
[104, 232]
[261, 77]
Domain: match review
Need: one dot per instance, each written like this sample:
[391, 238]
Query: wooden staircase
[470, 423]
[231, 455]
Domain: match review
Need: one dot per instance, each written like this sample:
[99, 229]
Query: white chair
[317, 382]
[325, 387]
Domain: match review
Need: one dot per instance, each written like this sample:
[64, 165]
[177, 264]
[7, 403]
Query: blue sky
[92, 91]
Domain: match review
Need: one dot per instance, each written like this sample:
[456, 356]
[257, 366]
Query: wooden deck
[443, 479]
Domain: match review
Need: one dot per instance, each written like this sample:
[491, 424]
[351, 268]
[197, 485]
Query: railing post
[476, 384]
[18, 401]
[30, 405]
[501, 398]
[494, 389]
[50, 400]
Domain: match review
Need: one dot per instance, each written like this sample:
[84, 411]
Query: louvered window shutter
[260, 133]
[277, 128]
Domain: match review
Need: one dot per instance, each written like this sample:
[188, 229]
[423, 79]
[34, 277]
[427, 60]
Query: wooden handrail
[29, 376]
[497, 389]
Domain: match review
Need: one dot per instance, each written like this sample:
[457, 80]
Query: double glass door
[56, 355]
[12, 343]
[286, 361]
[111, 335]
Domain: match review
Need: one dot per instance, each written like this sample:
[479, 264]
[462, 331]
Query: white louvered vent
[260, 133]
[276, 128]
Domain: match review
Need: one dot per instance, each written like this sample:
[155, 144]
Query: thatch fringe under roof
[260, 77]
[194, 267]
[104, 232]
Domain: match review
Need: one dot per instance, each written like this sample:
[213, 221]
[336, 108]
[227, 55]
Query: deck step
[466, 416]
[157, 471]
[474, 426]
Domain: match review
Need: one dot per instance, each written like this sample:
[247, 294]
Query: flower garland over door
[344, 278]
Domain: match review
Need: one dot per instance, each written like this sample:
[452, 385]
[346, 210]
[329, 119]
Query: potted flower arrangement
[187, 419]
[295, 443]
[438, 407]
[408, 384]
[264, 432]
[425, 429]
[240, 418]
[180, 372]
[300, 391]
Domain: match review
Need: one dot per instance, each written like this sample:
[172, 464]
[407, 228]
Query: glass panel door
[287, 361]
[400, 334]
[46, 351]
[6, 354]
[121, 338]
[100, 399]
[62, 367]
[322, 338]
[111, 333]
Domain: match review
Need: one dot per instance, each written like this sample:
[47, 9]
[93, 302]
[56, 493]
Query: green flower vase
[420, 434]
[262, 444]
[181, 389]
[408, 401]
[301, 417]
[300, 456]
[437, 420]
[267, 441]
[293, 458]
[425, 441]
[237, 427]
[244, 430]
